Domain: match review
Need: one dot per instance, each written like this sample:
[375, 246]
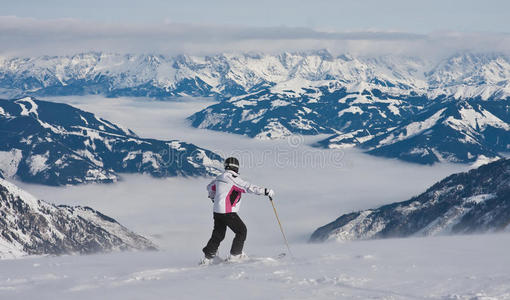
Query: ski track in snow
[176, 215]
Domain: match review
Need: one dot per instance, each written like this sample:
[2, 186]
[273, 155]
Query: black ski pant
[221, 222]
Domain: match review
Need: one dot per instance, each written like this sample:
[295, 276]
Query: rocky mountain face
[473, 202]
[33, 227]
[57, 144]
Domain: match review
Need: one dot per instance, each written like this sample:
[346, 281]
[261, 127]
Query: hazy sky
[382, 26]
[400, 15]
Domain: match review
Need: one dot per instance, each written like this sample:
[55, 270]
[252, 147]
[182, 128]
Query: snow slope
[468, 267]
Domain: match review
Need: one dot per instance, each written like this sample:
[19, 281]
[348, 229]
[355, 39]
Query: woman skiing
[225, 192]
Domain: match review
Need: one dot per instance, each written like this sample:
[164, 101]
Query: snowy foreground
[176, 215]
[466, 267]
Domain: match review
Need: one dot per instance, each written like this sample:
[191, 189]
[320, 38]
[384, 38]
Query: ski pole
[281, 228]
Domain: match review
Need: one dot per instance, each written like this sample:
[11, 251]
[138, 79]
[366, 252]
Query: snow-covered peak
[232, 74]
[471, 69]
[15, 191]
[476, 119]
[32, 226]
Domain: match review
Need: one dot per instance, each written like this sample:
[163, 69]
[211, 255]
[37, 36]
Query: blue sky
[400, 15]
[201, 27]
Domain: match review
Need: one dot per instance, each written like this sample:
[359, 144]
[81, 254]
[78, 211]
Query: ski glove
[269, 192]
[211, 195]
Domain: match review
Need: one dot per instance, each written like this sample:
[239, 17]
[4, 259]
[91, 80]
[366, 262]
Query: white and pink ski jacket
[226, 190]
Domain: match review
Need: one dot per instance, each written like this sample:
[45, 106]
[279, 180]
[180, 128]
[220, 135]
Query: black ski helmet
[232, 163]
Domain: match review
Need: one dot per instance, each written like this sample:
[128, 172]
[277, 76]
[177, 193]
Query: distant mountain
[57, 144]
[30, 226]
[226, 75]
[409, 127]
[455, 112]
[360, 101]
[315, 110]
[459, 131]
[473, 202]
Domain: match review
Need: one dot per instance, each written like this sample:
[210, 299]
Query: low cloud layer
[309, 193]
[28, 36]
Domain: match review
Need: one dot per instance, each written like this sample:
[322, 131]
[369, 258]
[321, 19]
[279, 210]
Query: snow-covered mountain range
[453, 131]
[456, 112]
[392, 106]
[225, 75]
[472, 202]
[30, 226]
[409, 127]
[57, 144]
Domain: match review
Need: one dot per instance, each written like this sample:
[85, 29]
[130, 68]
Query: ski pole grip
[271, 198]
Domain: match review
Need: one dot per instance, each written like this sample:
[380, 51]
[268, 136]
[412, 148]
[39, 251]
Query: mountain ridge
[476, 201]
[226, 75]
[57, 144]
[34, 227]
